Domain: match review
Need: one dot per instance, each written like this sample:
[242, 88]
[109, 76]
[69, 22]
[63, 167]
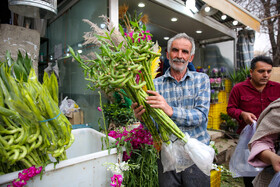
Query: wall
[14, 38]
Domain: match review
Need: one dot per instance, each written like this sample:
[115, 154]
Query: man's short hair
[179, 36]
[261, 58]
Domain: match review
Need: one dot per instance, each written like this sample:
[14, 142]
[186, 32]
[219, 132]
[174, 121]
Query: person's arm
[233, 104]
[233, 108]
[198, 113]
[270, 158]
[258, 147]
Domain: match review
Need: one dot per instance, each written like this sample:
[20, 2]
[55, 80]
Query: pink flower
[116, 180]
[212, 80]
[218, 80]
[25, 175]
[99, 108]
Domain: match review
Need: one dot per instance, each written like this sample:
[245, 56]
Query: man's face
[261, 74]
[180, 54]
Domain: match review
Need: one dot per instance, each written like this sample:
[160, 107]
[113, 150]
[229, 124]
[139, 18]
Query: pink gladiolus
[116, 180]
[25, 175]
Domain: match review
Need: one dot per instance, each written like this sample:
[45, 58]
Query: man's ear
[191, 58]
[167, 55]
[251, 71]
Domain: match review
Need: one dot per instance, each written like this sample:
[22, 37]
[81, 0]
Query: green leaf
[121, 30]
[134, 24]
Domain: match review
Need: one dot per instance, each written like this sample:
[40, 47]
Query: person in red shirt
[248, 99]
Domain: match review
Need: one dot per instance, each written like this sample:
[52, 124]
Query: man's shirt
[245, 97]
[190, 100]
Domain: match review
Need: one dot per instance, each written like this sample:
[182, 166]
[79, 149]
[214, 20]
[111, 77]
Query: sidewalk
[224, 145]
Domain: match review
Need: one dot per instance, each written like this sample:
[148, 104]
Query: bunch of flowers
[25, 175]
[119, 60]
[118, 170]
[137, 137]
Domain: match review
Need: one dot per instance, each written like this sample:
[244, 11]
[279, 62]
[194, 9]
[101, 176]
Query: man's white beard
[177, 68]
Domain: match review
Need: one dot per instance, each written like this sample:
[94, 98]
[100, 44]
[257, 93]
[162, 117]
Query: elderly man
[249, 98]
[185, 97]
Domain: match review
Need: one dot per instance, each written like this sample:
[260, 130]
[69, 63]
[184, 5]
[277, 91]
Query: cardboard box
[275, 75]
[76, 117]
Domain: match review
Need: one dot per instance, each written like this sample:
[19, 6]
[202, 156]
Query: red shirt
[245, 97]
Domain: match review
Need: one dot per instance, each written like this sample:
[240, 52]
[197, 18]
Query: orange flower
[122, 10]
[145, 19]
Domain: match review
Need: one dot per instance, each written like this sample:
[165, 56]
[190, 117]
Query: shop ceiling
[212, 27]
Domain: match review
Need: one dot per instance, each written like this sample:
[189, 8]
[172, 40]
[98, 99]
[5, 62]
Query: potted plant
[229, 124]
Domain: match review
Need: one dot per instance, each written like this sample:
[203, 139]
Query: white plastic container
[84, 166]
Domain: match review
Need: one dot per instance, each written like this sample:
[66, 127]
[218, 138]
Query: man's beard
[176, 68]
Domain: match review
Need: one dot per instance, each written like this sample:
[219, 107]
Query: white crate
[84, 166]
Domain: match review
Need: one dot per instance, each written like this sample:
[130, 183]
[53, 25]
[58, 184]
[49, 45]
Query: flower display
[137, 138]
[25, 175]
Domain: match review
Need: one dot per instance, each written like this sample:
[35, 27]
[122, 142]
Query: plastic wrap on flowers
[201, 154]
[183, 159]
[174, 156]
[167, 157]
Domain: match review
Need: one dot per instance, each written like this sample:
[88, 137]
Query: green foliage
[239, 75]
[118, 114]
[20, 67]
[146, 174]
[230, 122]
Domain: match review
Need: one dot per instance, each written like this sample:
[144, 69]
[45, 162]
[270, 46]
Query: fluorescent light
[141, 5]
[191, 5]
[223, 17]
[198, 31]
[166, 38]
[235, 22]
[207, 9]
[174, 19]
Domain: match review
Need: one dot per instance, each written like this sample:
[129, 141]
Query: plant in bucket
[140, 156]
[124, 56]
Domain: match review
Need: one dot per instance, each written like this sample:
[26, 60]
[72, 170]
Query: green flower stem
[105, 128]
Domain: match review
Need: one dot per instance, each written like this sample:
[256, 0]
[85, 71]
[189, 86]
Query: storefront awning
[235, 11]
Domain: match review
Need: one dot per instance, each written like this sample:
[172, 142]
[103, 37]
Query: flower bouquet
[128, 60]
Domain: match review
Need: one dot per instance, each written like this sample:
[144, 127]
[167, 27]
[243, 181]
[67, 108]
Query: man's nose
[180, 54]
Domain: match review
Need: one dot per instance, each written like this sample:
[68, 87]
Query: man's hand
[138, 111]
[158, 101]
[248, 117]
[275, 161]
[270, 158]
